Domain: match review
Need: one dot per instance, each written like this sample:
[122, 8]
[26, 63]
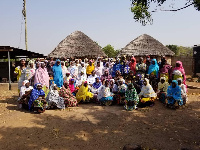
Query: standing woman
[20, 72]
[57, 72]
[153, 68]
[30, 72]
[90, 68]
[42, 76]
[165, 69]
[132, 65]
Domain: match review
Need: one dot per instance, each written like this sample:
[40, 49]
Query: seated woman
[138, 83]
[121, 91]
[81, 77]
[131, 98]
[183, 90]
[69, 98]
[147, 94]
[97, 84]
[106, 75]
[113, 86]
[25, 92]
[162, 89]
[53, 99]
[72, 86]
[174, 95]
[37, 100]
[83, 94]
[104, 94]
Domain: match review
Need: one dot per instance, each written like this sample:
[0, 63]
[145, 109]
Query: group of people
[51, 84]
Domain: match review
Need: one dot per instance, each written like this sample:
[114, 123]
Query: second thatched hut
[145, 45]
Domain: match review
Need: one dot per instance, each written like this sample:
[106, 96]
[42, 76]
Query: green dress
[131, 99]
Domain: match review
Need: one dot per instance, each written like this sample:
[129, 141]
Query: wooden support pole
[9, 70]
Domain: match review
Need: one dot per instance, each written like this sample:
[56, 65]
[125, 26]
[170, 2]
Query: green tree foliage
[181, 50]
[142, 14]
[110, 51]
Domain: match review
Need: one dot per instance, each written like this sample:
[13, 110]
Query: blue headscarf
[153, 67]
[174, 92]
[57, 72]
[97, 85]
[116, 67]
[35, 94]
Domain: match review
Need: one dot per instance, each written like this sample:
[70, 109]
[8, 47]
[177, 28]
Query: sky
[104, 21]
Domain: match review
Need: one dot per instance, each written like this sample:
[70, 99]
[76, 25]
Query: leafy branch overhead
[142, 13]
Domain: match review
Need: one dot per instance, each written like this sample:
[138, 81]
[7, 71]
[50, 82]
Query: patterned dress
[69, 99]
[131, 99]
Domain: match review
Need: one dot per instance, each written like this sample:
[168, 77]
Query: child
[50, 80]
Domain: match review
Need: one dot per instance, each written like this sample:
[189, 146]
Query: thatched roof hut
[146, 45]
[77, 45]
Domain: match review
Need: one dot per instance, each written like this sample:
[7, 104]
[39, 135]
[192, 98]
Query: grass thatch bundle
[77, 45]
[146, 45]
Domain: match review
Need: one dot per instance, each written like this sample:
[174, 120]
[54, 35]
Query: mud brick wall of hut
[187, 61]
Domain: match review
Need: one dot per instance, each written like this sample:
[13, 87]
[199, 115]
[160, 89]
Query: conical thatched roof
[146, 45]
[77, 45]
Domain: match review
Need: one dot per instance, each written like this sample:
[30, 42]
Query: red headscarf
[133, 65]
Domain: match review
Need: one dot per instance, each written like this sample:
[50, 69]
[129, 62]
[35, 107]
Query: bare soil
[93, 127]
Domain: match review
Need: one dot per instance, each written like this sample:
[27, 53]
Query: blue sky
[104, 21]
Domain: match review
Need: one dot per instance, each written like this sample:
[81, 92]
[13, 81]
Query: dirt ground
[93, 127]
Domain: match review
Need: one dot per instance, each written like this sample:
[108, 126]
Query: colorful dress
[131, 99]
[141, 69]
[69, 98]
[174, 94]
[21, 76]
[162, 90]
[83, 94]
[89, 69]
[104, 95]
[35, 100]
[53, 98]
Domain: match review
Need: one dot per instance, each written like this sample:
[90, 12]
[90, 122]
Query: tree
[181, 50]
[110, 51]
[140, 9]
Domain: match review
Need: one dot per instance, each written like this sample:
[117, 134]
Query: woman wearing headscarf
[138, 83]
[179, 72]
[106, 76]
[174, 95]
[162, 89]
[83, 94]
[57, 72]
[141, 68]
[147, 94]
[30, 72]
[153, 68]
[37, 100]
[42, 77]
[72, 86]
[20, 72]
[69, 98]
[64, 68]
[96, 85]
[131, 98]
[132, 65]
[98, 69]
[90, 68]
[116, 67]
[165, 69]
[183, 90]
[104, 95]
[53, 99]
[24, 94]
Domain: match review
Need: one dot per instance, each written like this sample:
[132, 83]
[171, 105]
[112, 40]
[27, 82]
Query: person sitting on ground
[104, 94]
[174, 95]
[121, 91]
[69, 99]
[53, 99]
[81, 77]
[131, 98]
[162, 89]
[25, 92]
[96, 85]
[37, 100]
[147, 94]
[91, 78]
[67, 77]
[83, 94]
[183, 90]
[72, 86]
[106, 75]
[138, 83]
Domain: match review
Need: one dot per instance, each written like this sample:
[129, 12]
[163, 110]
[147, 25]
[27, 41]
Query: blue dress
[57, 74]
